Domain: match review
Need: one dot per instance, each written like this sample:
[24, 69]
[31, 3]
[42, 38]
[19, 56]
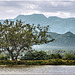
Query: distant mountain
[32, 19]
[67, 39]
[58, 25]
[62, 41]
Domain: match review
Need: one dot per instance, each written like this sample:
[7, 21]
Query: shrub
[69, 57]
[55, 61]
[54, 56]
[35, 55]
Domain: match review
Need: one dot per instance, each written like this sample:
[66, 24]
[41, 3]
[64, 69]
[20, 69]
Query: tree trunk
[11, 54]
[16, 58]
[17, 54]
[12, 57]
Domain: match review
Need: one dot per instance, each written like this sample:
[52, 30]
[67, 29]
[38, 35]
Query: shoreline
[37, 62]
[31, 65]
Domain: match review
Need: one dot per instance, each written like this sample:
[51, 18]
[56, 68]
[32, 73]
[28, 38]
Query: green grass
[38, 62]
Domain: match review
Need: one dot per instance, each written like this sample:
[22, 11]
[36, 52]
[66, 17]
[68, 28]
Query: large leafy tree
[16, 37]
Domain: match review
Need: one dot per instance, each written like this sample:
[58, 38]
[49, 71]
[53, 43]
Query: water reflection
[43, 69]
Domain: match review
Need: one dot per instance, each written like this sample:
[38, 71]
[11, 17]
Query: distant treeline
[62, 52]
[43, 55]
[35, 57]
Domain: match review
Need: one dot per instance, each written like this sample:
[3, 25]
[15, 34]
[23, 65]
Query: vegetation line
[38, 62]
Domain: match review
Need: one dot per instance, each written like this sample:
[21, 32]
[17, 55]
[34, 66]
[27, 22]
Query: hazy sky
[60, 8]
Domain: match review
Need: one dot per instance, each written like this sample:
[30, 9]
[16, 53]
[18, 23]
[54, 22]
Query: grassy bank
[39, 62]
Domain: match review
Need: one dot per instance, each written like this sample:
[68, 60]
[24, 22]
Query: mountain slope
[62, 41]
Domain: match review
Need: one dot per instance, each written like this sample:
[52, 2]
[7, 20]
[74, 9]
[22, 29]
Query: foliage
[4, 57]
[61, 52]
[35, 55]
[56, 61]
[16, 37]
[38, 62]
[69, 57]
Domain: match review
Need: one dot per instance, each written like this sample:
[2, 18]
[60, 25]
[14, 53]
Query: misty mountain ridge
[57, 24]
[62, 41]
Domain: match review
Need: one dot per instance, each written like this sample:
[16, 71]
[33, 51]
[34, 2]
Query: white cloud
[29, 12]
[63, 14]
[59, 14]
[10, 9]
[60, 3]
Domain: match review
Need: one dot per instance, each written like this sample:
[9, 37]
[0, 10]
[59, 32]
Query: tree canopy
[15, 37]
[35, 55]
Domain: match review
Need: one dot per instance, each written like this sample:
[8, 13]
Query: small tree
[16, 37]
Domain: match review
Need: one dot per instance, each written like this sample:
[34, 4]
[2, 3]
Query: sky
[62, 8]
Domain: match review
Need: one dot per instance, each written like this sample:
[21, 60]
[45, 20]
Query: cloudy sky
[60, 8]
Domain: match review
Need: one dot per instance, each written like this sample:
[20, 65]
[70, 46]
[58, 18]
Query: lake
[39, 69]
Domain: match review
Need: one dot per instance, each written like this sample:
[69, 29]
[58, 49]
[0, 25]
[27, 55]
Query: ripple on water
[44, 69]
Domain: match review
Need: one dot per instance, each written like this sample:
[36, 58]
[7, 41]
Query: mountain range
[61, 29]
[62, 41]
[57, 24]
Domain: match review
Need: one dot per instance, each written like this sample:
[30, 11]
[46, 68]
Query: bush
[35, 55]
[55, 62]
[54, 56]
[3, 57]
[69, 57]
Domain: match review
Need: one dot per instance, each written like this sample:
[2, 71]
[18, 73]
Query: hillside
[62, 41]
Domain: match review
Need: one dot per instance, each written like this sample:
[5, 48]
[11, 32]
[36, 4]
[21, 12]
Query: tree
[16, 37]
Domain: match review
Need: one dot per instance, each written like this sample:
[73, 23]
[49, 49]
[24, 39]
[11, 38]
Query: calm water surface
[40, 70]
